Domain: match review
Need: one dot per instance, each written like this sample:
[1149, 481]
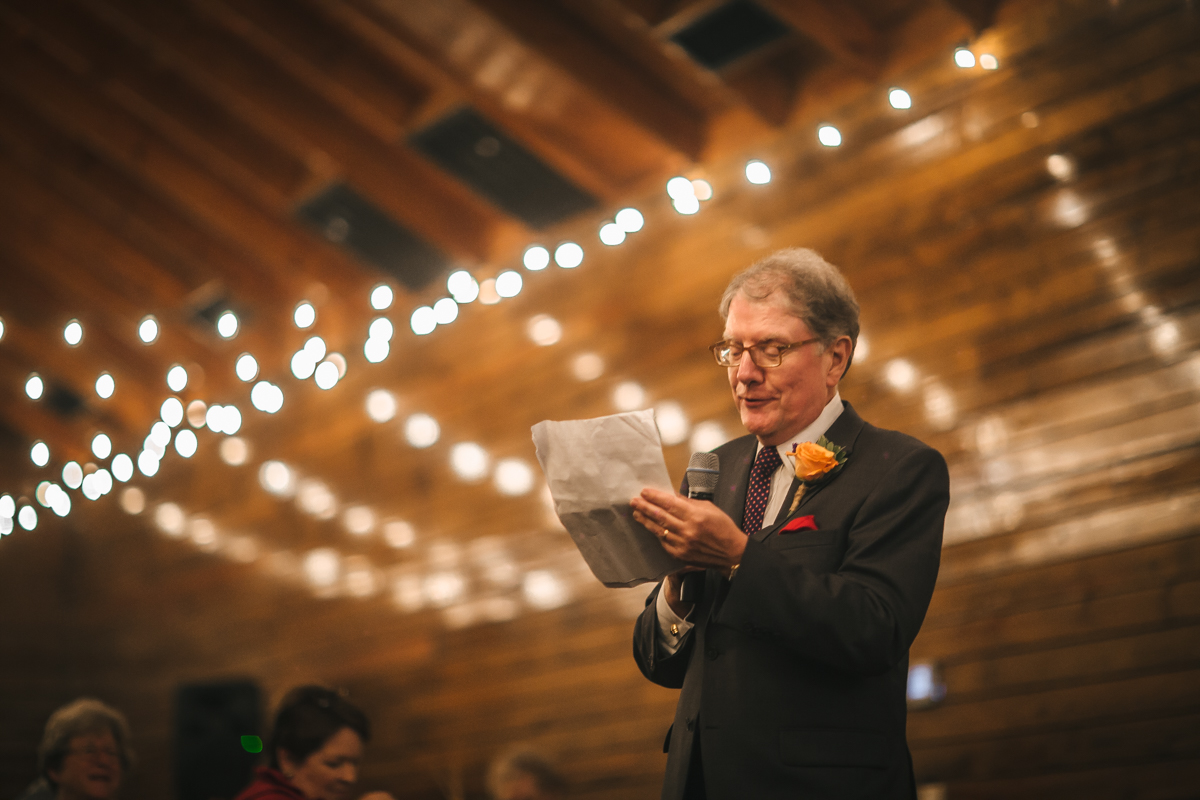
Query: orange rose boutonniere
[814, 462]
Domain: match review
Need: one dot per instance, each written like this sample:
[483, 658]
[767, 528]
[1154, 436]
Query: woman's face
[91, 769]
[331, 772]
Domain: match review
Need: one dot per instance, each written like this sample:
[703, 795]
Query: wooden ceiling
[155, 156]
[1023, 242]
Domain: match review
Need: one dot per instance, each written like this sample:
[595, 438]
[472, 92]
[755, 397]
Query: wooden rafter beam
[212, 48]
[563, 38]
[540, 60]
[980, 13]
[837, 27]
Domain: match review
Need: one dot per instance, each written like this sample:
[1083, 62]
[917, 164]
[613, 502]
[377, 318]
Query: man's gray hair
[77, 718]
[811, 288]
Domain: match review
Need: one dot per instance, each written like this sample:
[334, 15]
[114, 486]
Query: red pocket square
[800, 524]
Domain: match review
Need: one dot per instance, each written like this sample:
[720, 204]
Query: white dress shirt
[671, 626]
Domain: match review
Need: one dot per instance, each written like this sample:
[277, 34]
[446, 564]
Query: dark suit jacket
[795, 673]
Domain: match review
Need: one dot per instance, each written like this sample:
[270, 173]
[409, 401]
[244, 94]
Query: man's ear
[839, 359]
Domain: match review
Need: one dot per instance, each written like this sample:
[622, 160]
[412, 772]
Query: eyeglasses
[764, 355]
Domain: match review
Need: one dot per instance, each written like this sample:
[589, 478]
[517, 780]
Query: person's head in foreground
[523, 774]
[85, 751]
[317, 742]
[791, 324]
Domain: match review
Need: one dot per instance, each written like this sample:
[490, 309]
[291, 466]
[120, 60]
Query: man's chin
[758, 424]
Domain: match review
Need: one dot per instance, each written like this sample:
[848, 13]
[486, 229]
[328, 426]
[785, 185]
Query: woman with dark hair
[314, 750]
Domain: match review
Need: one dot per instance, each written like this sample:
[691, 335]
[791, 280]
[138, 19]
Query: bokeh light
[381, 297]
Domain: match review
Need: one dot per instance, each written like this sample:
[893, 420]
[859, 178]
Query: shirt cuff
[671, 627]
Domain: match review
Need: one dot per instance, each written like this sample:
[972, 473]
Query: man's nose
[748, 371]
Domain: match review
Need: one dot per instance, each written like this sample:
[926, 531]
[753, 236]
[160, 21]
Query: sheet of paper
[594, 467]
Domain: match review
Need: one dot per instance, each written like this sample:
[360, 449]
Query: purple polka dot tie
[760, 487]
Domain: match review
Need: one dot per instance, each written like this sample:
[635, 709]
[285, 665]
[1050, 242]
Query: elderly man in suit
[793, 663]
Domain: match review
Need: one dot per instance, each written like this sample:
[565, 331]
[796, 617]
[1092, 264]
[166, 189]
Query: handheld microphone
[702, 473]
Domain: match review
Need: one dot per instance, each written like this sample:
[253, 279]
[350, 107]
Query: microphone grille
[703, 471]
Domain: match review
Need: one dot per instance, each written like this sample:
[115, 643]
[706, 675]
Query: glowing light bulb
[326, 375]
[381, 328]
[27, 518]
[508, 283]
[513, 477]
[536, 258]
[246, 367]
[40, 454]
[544, 330]
[304, 315]
[469, 460]
[185, 443]
[105, 385]
[964, 58]
[234, 451]
[829, 136]
[421, 430]
[423, 320]
[587, 366]
[266, 397]
[148, 463]
[122, 467]
[445, 310]
[630, 220]
[989, 61]
[177, 378]
[567, 255]
[757, 172]
[72, 475]
[629, 396]
[148, 329]
[686, 205]
[303, 364]
[612, 234]
[680, 187]
[462, 286]
[381, 297]
[73, 333]
[101, 446]
[899, 99]
[376, 350]
[34, 387]
[171, 411]
[381, 405]
[227, 325]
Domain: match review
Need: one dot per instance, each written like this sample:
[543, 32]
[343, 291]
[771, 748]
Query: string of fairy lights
[443, 584]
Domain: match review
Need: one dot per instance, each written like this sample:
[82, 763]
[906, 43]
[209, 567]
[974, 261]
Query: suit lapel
[845, 429]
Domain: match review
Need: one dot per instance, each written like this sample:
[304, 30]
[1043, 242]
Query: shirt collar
[816, 429]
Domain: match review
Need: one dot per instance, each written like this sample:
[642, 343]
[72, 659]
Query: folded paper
[593, 468]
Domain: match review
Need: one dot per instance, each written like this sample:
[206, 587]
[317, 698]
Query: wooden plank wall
[1065, 319]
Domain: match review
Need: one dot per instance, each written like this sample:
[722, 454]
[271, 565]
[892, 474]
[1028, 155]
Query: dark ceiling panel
[729, 32]
[346, 218]
[471, 148]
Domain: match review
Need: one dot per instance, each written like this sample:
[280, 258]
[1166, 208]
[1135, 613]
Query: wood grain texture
[1023, 243]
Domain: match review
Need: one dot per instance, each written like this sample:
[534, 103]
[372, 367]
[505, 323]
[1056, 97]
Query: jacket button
[691, 724]
[712, 653]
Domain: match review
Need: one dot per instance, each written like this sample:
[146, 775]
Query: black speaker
[211, 760]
